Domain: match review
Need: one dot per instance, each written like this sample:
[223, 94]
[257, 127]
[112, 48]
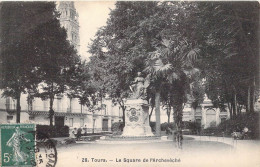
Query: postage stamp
[16, 139]
[19, 147]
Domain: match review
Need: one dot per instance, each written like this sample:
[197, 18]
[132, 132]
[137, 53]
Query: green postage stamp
[17, 145]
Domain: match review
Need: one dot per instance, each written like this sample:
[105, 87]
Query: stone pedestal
[137, 119]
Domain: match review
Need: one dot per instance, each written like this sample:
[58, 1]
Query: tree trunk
[151, 113]
[168, 118]
[248, 100]
[81, 108]
[121, 103]
[168, 113]
[123, 109]
[252, 99]
[18, 108]
[70, 104]
[178, 122]
[230, 110]
[235, 104]
[157, 113]
[51, 111]
[93, 129]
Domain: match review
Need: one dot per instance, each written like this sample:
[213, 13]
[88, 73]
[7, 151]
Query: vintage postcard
[129, 83]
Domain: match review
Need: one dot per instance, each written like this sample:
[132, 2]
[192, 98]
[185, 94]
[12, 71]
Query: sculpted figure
[138, 87]
[15, 143]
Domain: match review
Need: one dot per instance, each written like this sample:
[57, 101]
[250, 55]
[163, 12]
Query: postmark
[46, 153]
[19, 147]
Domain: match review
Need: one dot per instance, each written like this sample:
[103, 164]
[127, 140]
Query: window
[112, 121]
[119, 108]
[45, 105]
[81, 122]
[71, 122]
[30, 104]
[31, 118]
[9, 117]
[105, 109]
[72, 14]
[223, 119]
[8, 103]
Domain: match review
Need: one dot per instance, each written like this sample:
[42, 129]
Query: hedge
[52, 131]
[249, 120]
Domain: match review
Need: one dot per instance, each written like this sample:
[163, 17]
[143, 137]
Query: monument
[137, 110]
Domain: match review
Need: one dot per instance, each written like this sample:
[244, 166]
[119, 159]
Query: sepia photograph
[129, 83]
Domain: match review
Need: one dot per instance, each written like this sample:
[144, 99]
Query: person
[245, 132]
[85, 130]
[72, 134]
[75, 132]
[79, 133]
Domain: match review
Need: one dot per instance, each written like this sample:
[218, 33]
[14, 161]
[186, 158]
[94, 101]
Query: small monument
[137, 110]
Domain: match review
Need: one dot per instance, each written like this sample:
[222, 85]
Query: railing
[90, 130]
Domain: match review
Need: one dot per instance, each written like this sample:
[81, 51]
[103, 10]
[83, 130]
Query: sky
[92, 15]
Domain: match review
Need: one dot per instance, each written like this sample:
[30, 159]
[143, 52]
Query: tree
[19, 55]
[82, 87]
[172, 75]
[230, 45]
[135, 35]
[172, 63]
[118, 49]
[109, 80]
[57, 59]
[176, 45]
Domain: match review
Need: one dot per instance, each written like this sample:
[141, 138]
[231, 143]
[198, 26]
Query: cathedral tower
[69, 20]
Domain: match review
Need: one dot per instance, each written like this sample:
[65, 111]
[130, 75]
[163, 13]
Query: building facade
[205, 114]
[67, 112]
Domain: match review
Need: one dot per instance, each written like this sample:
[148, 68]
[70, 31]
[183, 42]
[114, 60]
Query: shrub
[52, 131]
[213, 124]
[194, 127]
[165, 125]
[249, 120]
[117, 128]
[62, 131]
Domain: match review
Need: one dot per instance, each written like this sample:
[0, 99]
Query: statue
[139, 86]
[137, 110]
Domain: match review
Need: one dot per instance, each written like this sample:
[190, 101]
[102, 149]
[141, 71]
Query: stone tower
[69, 20]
